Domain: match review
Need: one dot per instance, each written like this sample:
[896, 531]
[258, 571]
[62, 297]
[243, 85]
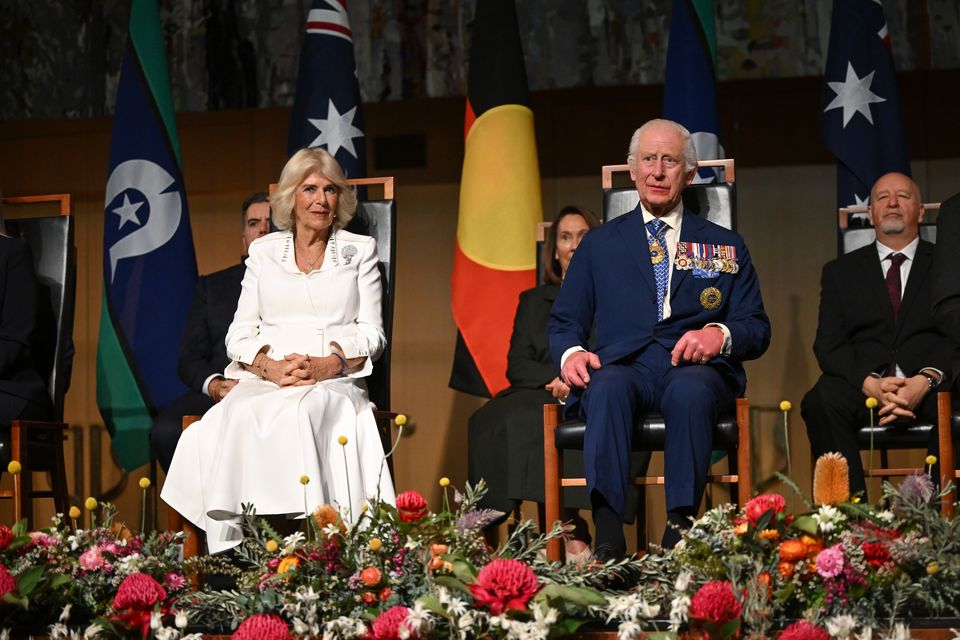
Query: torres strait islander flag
[495, 254]
[860, 121]
[690, 91]
[149, 266]
[326, 109]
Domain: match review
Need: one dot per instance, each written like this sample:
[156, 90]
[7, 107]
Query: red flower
[6, 536]
[763, 503]
[504, 584]
[715, 603]
[262, 626]
[876, 554]
[412, 506]
[7, 582]
[387, 625]
[803, 630]
[138, 591]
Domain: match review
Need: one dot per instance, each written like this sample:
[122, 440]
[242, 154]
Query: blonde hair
[300, 165]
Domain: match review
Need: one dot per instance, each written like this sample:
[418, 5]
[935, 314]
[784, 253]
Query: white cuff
[206, 383]
[727, 342]
[567, 353]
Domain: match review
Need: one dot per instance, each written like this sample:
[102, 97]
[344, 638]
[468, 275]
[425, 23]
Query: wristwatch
[932, 381]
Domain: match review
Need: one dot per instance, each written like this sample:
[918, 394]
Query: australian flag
[326, 110]
[861, 122]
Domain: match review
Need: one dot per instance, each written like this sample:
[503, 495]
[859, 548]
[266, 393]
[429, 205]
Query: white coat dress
[255, 445]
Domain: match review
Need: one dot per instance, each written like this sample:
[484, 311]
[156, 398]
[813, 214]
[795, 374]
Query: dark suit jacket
[19, 380]
[856, 332]
[610, 286]
[528, 361]
[946, 269]
[202, 350]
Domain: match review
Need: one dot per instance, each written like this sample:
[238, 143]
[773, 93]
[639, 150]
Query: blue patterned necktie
[661, 267]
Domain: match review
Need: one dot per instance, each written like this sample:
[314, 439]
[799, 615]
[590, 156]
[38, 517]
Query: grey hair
[689, 150]
[303, 163]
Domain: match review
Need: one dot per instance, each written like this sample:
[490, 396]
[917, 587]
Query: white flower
[291, 541]
[166, 633]
[4, 634]
[866, 634]
[683, 581]
[828, 517]
[156, 620]
[58, 630]
[840, 626]
[628, 631]
[678, 611]
[92, 631]
[65, 614]
[465, 621]
[545, 618]
[419, 619]
[886, 515]
[330, 530]
[180, 619]
[900, 631]
[300, 627]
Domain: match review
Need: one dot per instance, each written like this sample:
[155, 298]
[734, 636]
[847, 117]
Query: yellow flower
[785, 405]
[400, 420]
[856, 500]
[287, 564]
[144, 483]
[872, 403]
[930, 459]
[14, 468]
[271, 546]
[933, 568]
[363, 508]
[304, 480]
[342, 440]
[444, 481]
[74, 512]
[90, 503]
[769, 534]
[375, 545]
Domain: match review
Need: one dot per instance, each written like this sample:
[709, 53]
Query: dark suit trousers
[691, 399]
[834, 411]
[166, 430]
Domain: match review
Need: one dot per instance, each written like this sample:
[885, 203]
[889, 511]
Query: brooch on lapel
[710, 298]
[348, 252]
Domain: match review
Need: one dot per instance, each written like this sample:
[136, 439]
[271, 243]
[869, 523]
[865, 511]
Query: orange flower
[370, 577]
[287, 564]
[327, 515]
[792, 550]
[740, 529]
[765, 581]
[439, 549]
[120, 531]
[385, 593]
[369, 598]
[814, 545]
[436, 562]
[785, 569]
[769, 534]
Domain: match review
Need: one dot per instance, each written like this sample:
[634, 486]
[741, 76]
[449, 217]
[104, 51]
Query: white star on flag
[336, 131]
[853, 94]
[128, 211]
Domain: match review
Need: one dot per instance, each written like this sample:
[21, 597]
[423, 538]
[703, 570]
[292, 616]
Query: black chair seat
[903, 435]
[649, 435]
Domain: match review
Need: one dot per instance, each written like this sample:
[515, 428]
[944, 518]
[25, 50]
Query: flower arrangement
[402, 572]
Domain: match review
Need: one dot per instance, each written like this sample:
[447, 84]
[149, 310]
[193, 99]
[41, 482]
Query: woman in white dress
[307, 329]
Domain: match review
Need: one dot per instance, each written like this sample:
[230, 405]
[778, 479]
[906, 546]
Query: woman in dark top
[23, 394]
[506, 434]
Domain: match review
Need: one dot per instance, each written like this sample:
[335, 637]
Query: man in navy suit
[676, 307]
[203, 354]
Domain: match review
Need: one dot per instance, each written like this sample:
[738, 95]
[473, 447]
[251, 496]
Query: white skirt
[254, 446]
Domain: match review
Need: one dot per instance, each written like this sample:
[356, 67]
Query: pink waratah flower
[412, 506]
[7, 582]
[504, 584]
[830, 561]
[758, 506]
[262, 626]
[803, 630]
[6, 536]
[92, 559]
[138, 591]
[174, 581]
[715, 602]
[387, 625]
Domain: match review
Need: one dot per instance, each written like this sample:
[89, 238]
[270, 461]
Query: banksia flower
[831, 479]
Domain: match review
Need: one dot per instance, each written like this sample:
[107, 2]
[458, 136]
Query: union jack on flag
[326, 110]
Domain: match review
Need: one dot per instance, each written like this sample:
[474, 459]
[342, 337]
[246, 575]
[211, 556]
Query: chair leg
[744, 469]
[551, 477]
[18, 451]
[945, 437]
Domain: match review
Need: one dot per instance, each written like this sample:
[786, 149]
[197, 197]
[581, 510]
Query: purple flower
[175, 581]
[830, 561]
[916, 489]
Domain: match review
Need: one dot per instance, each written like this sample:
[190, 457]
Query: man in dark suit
[876, 336]
[203, 355]
[946, 269]
[676, 307]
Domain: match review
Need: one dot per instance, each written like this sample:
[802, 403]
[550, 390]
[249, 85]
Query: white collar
[909, 251]
[671, 218]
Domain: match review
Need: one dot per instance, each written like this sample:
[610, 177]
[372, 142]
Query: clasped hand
[898, 397]
[300, 370]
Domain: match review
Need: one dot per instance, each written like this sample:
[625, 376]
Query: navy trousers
[691, 398]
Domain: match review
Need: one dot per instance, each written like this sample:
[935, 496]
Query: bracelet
[262, 367]
[342, 360]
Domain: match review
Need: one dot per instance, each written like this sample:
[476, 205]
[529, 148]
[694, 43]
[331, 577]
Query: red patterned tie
[893, 280]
